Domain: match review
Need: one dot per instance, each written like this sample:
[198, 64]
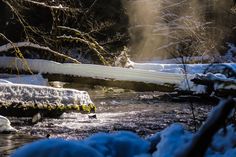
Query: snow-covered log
[97, 74]
[217, 83]
[27, 100]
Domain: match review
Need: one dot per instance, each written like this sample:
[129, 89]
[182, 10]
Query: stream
[117, 109]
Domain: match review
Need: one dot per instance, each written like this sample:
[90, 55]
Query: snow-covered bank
[126, 144]
[33, 97]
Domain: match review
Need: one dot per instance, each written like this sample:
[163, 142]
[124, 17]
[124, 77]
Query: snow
[41, 96]
[171, 139]
[142, 72]
[187, 85]
[56, 148]
[127, 144]
[224, 141]
[99, 145]
[5, 125]
[220, 81]
[26, 79]
[116, 144]
[231, 52]
[190, 68]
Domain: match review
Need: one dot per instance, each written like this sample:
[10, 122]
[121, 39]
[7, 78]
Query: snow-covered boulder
[33, 98]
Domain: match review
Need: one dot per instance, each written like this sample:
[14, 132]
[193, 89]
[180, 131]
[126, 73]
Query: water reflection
[9, 142]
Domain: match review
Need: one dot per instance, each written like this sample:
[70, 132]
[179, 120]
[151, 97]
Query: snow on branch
[10, 46]
[58, 7]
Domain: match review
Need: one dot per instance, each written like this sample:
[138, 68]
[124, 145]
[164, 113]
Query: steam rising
[158, 28]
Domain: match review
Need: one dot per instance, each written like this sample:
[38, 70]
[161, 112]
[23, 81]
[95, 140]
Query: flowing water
[117, 109]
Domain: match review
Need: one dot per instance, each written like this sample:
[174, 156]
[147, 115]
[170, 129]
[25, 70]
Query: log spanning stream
[117, 109]
[137, 79]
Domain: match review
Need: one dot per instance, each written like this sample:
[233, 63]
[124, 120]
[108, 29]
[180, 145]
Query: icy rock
[5, 125]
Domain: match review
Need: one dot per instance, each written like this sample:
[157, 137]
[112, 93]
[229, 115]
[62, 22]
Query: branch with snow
[58, 7]
[9, 46]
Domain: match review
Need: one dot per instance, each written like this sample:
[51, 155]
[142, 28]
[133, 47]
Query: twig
[90, 45]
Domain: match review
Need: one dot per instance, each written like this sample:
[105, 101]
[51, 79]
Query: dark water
[117, 109]
[9, 142]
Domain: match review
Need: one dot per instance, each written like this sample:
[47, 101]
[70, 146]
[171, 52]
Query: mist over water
[159, 27]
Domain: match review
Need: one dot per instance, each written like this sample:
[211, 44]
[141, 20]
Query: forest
[117, 78]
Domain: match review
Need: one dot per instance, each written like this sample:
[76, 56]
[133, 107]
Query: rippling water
[117, 109]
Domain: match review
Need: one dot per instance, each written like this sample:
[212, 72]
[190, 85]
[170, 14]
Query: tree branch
[9, 46]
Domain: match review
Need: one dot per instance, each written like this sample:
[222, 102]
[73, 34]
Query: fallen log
[142, 80]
